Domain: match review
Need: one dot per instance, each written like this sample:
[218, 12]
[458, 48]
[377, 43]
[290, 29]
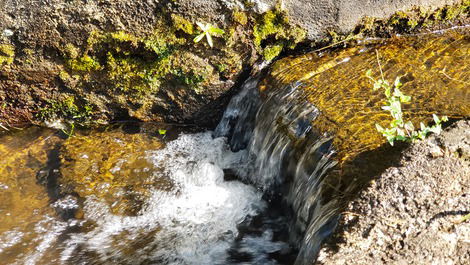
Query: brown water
[434, 70]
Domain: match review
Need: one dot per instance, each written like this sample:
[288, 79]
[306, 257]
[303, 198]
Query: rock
[421, 218]
[115, 60]
[316, 16]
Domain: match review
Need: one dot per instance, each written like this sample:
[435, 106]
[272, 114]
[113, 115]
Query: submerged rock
[414, 212]
[432, 68]
[112, 166]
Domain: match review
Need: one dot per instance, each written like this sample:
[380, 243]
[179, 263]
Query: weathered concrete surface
[414, 212]
[316, 16]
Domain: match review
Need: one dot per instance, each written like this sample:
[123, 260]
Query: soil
[413, 213]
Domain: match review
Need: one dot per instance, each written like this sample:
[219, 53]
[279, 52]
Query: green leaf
[421, 124]
[387, 92]
[401, 138]
[209, 39]
[436, 129]
[400, 132]
[397, 83]
[436, 119]
[444, 118]
[199, 37]
[405, 99]
[216, 31]
[409, 126]
[396, 104]
[161, 131]
[379, 128]
[386, 108]
[397, 93]
[203, 27]
[377, 86]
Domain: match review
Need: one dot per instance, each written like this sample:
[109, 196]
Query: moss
[414, 20]
[129, 74]
[67, 109]
[84, 64]
[221, 67]
[240, 17]
[128, 63]
[180, 23]
[190, 79]
[71, 51]
[64, 76]
[7, 54]
[131, 70]
[122, 36]
[273, 30]
[249, 3]
[271, 51]
[453, 12]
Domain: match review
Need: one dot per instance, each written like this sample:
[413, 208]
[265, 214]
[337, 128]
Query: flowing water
[225, 197]
[265, 187]
[189, 210]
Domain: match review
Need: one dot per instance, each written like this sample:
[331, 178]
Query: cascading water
[263, 188]
[287, 158]
[194, 222]
[196, 210]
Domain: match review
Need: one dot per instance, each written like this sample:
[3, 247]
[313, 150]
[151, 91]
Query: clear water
[200, 214]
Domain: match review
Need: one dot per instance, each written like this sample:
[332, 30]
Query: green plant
[400, 130]
[71, 131]
[208, 31]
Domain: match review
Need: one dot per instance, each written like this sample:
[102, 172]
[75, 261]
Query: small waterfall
[289, 159]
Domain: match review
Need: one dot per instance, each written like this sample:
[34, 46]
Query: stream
[262, 188]
[175, 198]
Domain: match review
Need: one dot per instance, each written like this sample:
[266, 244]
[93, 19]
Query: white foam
[194, 223]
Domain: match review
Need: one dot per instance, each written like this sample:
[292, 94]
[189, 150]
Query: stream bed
[120, 197]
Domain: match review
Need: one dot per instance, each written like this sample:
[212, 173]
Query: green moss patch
[7, 54]
[68, 109]
[415, 20]
[273, 32]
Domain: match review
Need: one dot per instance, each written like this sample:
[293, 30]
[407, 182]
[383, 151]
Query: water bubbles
[195, 222]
